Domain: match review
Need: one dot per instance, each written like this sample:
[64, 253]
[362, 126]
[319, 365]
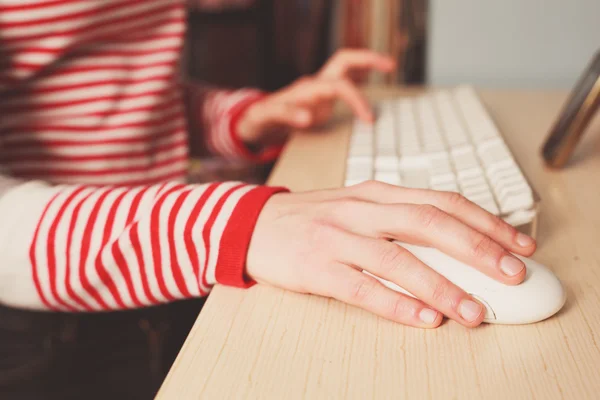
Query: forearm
[82, 248]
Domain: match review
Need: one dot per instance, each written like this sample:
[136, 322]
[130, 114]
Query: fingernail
[523, 240]
[469, 310]
[428, 316]
[511, 266]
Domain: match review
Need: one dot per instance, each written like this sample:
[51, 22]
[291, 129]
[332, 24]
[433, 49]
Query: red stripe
[89, 85]
[51, 249]
[113, 52]
[155, 241]
[100, 267]
[101, 129]
[85, 248]
[37, 172]
[77, 69]
[190, 245]
[92, 28]
[72, 225]
[47, 144]
[33, 258]
[105, 155]
[28, 108]
[94, 11]
[175, 267]
[208, 227]
[120, 260]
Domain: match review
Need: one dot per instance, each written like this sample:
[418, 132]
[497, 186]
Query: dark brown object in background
[267, 46]
[575, 117]
[230, 48]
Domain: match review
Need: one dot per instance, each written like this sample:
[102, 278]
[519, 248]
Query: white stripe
[128, 250]
[75, 277]
[171, 114]
[96, 106]
[153, 44]
[165, 253]
[61, 40]
[117, 232]
[43, 12]
[205, 213]
[216, 233]
[41, 248]
[180, 249]
[178, 134]
[145, 160]
[126, 177]
[96, 248]
[61, 254]
[146, 246]
[94, 92]
[129, 67]
[99, 16]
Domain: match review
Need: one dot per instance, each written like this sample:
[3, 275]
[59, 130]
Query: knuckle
[391, 258]
[370, 185]
[361, 289]
[400, 308]
[482, 246]
[346, 206]
[439, 293]
[456, 199]
[498, 225]
[428, 215]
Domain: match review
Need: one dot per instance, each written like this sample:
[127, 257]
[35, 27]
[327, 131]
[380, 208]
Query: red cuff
[233, 249]
[266, 154]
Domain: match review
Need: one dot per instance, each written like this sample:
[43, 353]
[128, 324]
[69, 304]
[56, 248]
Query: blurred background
[508, 43]
[277, 41]
[541, 44]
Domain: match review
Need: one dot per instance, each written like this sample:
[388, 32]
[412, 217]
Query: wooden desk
[268, 343]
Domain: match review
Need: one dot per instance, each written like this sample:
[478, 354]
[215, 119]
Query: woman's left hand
[309, 101]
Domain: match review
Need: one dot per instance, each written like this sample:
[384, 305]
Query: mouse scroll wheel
[489, 313]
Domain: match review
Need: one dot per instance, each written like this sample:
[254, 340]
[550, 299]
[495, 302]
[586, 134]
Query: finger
[351, 95]
[285, 114]
[428, 224]
[346, 61]
[350, 286]
[396, 264]
[457, 206]
[310, 92]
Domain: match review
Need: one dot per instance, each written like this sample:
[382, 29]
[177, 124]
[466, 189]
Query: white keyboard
[443, 140]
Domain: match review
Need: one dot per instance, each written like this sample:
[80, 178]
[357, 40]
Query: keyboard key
[444, 141]
[415, 178]
[392, 178]
[446, 187]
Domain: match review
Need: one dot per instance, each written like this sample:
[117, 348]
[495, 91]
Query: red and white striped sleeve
[95, 248]
[216, 112]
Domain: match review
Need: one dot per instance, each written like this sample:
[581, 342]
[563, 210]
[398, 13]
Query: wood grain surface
[267, 343]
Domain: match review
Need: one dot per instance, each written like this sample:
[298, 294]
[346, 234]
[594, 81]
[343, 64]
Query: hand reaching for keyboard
[318, 242]
[309, 101]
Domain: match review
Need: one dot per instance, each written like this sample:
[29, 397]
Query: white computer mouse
[538, 297]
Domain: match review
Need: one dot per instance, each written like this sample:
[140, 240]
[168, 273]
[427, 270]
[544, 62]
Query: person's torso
[89, 90]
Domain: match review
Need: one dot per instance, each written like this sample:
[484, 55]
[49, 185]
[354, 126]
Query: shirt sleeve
[93, 248]
[214, 115]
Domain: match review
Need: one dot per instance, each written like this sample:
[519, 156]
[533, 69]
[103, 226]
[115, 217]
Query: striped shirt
[94, 211]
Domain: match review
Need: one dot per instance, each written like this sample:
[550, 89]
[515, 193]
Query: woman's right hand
[319, 242]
